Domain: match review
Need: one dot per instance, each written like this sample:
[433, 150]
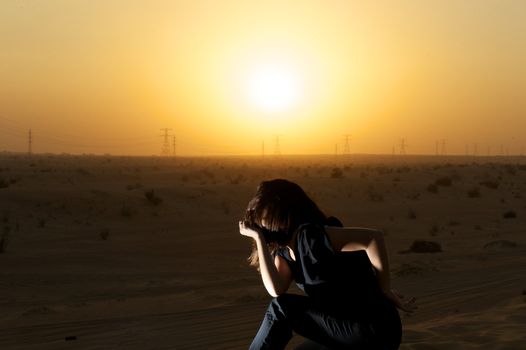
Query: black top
[335, 279]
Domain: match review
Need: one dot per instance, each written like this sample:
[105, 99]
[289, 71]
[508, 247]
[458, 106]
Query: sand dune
[87, 255]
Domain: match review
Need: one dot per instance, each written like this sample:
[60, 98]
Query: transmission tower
[30, 143]
[443, 147]
[173, 145]
[402, 146]
[263, 149]
[347, 145]
[277, 147]
[165, 150]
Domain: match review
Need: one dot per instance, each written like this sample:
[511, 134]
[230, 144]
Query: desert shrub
[4, 240]
[133, 186]
[413, 196]
[474, 193]
[208, 173]
[411, 214]
[433, 231]
[152, 198]
[374, 195]
[510, 169]
[419, 246]
[5, 217]
[104, 234]
[510, 214]
[336, 173]
[503, 243]
[41, 223]
[83, 171]
[493, 184]
[225, 207]
[444, 181]
[236, 180]
[433, 188]
[126, 211]
[4, 183]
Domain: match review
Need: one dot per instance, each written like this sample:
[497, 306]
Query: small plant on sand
[152, 197]
[445, 181]
[474, 193]
[104, 234]
[493, 184]
[336, 173]
[4, 240]
[433, 188]
[4, 183]
[433, 231]
[126, 211]
[236, 180]
[510, 214]
[41, 223]
[225, 207]
[374, 195]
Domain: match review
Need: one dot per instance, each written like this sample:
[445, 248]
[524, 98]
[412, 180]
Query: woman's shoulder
[316, 230]
[312, 238]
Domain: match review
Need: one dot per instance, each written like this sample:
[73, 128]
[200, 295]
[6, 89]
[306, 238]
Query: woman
[344, 273]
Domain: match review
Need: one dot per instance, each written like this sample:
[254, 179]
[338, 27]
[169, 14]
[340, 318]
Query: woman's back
[338, 280]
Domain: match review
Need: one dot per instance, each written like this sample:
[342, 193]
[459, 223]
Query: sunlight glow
[273, 88]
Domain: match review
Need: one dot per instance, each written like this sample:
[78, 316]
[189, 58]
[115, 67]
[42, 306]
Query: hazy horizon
[106, 76]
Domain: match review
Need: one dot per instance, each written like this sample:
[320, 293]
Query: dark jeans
[334, 330]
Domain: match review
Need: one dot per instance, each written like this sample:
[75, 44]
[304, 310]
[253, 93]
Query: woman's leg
[290, 312]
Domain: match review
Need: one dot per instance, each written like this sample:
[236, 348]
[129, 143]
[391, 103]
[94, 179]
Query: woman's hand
[400, 301]
[246, 231]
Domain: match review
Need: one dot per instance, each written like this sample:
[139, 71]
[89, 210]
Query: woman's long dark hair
[283, 206]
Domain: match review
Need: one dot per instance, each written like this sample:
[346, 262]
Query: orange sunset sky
[104, 76]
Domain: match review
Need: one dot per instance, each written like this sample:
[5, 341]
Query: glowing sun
[273, 87]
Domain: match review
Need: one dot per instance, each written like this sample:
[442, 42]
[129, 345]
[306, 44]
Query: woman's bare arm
[275, 273]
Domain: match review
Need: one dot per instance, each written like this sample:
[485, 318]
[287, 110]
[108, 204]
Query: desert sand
[106, 252]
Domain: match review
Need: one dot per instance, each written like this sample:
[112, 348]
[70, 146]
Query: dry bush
[4, 183]
[433, 231]
[433, 188]
[493, 184]
[336, 173]
[4, 240]
[419, 246]
[510, 214]
[152, 198]
[445, 181]
[126, 211]
[474, 193]
[104, 234]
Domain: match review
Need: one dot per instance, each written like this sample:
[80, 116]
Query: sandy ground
[91, 258]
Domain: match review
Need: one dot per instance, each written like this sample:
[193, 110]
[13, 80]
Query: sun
[273, 87]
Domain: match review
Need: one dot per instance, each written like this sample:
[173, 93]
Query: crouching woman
[343, 271]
